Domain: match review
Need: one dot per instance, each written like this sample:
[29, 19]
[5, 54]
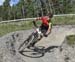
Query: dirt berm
[56, 48]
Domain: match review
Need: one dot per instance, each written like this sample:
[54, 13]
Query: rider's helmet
[50, 15]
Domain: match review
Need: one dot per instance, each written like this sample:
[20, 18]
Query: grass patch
[64, 20]
[15, 26]
[71, 39]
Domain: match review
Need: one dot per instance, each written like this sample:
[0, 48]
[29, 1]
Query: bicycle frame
[37, 30]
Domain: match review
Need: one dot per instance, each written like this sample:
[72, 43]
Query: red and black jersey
[45, 20]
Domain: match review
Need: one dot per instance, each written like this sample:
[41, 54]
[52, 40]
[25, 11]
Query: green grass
[15, 26]
[71, 39]
[64, 20]
[11, 27]
[23, 25]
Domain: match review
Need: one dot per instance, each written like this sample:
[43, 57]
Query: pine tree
[6, 10]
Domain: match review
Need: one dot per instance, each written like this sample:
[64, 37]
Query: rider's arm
[34, 22]
[49, 28]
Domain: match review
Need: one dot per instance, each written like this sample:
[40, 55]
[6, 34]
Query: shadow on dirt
[37, 52]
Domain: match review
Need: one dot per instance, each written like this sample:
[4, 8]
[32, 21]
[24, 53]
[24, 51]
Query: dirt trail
[9, 46]
[57, 36]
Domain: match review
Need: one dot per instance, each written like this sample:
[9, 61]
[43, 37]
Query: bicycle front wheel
[26, 43]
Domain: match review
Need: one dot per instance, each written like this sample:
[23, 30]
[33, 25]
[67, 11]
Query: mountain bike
[32, 38]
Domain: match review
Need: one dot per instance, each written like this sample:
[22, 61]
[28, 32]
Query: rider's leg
[49, 29]
[44, 29]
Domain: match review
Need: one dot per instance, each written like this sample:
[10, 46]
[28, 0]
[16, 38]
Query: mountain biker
[46, 25]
